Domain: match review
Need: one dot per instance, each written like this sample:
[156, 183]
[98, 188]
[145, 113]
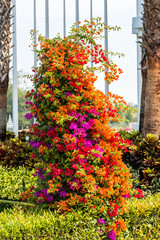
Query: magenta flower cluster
[28, 116]
[39, 173]
[112, 235]
[43, 194]
[35, 144]
[100, 220]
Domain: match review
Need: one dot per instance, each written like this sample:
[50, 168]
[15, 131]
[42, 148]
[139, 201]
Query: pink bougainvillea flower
[100, 220]
[28, 116]
[112, 235]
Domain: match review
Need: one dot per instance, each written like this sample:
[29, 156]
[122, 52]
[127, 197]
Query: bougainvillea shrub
[80, 164]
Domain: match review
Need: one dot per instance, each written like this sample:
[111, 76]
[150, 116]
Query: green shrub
[144, 161]
[18, 224]
[14, 181]
[9, 135]
[128, 156]
[143, 219]
[149, 150]
[4, 205]
[14, 153]
[8, 204]
[134, 136]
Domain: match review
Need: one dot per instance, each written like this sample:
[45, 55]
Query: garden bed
[143, 221]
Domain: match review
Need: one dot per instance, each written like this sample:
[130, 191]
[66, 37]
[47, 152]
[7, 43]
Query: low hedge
[143, 221]
[14, 181]
[18, 224]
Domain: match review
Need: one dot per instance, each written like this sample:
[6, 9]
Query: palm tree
[150, 101]
[5, 11]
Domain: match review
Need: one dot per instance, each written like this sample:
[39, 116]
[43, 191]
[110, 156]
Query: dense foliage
[144, 160]
[80, 164]
[15, 181]
[142, 221]
[14, 153]
[143, 218]
[9, 135]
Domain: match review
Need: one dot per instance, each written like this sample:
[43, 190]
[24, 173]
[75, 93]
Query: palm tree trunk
[3, 112]
[152, 99]
[5, 10]
[143, 93]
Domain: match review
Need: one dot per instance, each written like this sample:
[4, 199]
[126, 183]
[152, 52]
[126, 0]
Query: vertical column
[139, 56]
[46, 19]
[106, 39]
[35, 34]
[15, 81]
[77, 13]
[35, 38]
[139, 7]
[64, 18]
[91, 16]
[139, 76]
[91, 9]
[137, 29]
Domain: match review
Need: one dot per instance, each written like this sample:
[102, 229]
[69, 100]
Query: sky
[120, 13]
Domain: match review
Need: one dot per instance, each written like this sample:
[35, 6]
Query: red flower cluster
[114, 211]
[139, 194]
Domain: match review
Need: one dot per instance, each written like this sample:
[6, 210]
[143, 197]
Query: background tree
[127, 114]
[5, 10]
[150, 100]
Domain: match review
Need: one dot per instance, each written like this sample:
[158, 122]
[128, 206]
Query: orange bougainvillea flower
[80, 158]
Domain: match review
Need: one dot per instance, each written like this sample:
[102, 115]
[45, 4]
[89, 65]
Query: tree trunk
[5, 9]
[152, 99]
[143, 93]
[3, 112]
